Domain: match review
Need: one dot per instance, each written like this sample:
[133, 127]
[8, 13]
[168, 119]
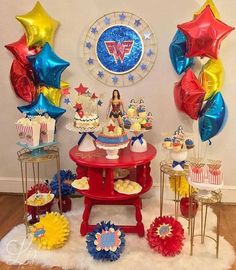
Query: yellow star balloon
[53, 94]
[212, 77]
[212, 6]
[51, 232]
[39, 26]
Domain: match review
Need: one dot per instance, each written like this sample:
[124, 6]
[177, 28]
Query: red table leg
[87, 208]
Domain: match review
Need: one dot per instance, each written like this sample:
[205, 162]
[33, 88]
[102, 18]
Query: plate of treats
[127, 187]
[81, 184]
[39, 199]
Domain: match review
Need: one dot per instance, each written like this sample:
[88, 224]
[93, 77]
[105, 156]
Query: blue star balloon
[177, 52]
[48, 67]
[212, 117]
[41, 106]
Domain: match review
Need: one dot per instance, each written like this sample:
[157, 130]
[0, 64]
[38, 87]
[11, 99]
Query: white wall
[157, 88]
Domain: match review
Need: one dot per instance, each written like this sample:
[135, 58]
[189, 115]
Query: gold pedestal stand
[34, 158]
[166, 169]
[214, 198]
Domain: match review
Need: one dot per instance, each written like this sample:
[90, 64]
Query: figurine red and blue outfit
[116, 108]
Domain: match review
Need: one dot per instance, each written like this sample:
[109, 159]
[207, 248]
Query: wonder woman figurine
[116, 108]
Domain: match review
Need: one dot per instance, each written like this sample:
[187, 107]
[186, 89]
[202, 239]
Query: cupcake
[177, 146]
[143, 123]
[127, 124]
[189, 143]
[167, 143]
[136, 126]
[131, 112]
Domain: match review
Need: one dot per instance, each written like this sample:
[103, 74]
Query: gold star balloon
[39, 26]
[53, 94]
[212, 77]
[212, 6]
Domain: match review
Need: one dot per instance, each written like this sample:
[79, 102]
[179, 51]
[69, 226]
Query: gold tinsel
[181, 185]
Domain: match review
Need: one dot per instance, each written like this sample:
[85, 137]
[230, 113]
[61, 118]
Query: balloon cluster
[200, 98]
[36, 70]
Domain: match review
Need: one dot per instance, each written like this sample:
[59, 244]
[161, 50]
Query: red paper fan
[166, 236]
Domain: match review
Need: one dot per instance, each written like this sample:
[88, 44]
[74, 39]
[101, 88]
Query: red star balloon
[22, 82]
[111, 128]
[20, 50]
[189, 95]
[204, 34]
[81, 89]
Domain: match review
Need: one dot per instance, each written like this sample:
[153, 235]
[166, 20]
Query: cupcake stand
[137, 143]
[34, 156]
[100, 172]
[86, 139]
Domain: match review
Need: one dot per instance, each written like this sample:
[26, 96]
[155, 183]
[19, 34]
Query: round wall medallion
[119, 49]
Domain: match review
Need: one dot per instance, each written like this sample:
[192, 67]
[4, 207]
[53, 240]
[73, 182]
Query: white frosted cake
[86, 115]
[87, 121]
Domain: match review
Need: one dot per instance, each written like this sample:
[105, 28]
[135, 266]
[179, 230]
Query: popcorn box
[47, 129]
[21, 129]
[32, 133]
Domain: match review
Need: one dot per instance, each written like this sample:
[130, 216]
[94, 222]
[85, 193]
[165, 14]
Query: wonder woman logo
[119, 49]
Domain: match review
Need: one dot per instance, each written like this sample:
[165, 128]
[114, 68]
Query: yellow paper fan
[181, 185]
[51, 232]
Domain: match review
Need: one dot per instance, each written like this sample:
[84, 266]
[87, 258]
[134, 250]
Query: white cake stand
[112, 151]
[86, 139]
[137, 143]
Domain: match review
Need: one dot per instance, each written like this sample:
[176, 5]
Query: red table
[100, 172]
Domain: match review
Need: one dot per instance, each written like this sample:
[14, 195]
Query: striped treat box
[197, 174]
[214, 176]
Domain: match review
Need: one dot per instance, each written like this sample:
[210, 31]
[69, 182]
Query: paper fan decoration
[51, 232]
[106, 242]
[182, 186]
[166, 236]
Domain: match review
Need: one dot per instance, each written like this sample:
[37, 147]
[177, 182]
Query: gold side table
[213, 198]
[27, 156]
[166, 169]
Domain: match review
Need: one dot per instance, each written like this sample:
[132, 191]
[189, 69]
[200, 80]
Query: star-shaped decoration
[78, 107]
[100, 74]
[137, 22]
[115, 80]
[48, 67]
[41, 105]
[94, 30]
[67, 101]
[88, 45]
[39, 26]
[90, 61]
[111, 127]
[94, 96]
[65, 91]
[122, 16]
[99, 102]
[20, 50]
[81, 89]
[143, 67]
[204, 34]
[146, 35]
[107, 20]
[130, 77]
[149, 52]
